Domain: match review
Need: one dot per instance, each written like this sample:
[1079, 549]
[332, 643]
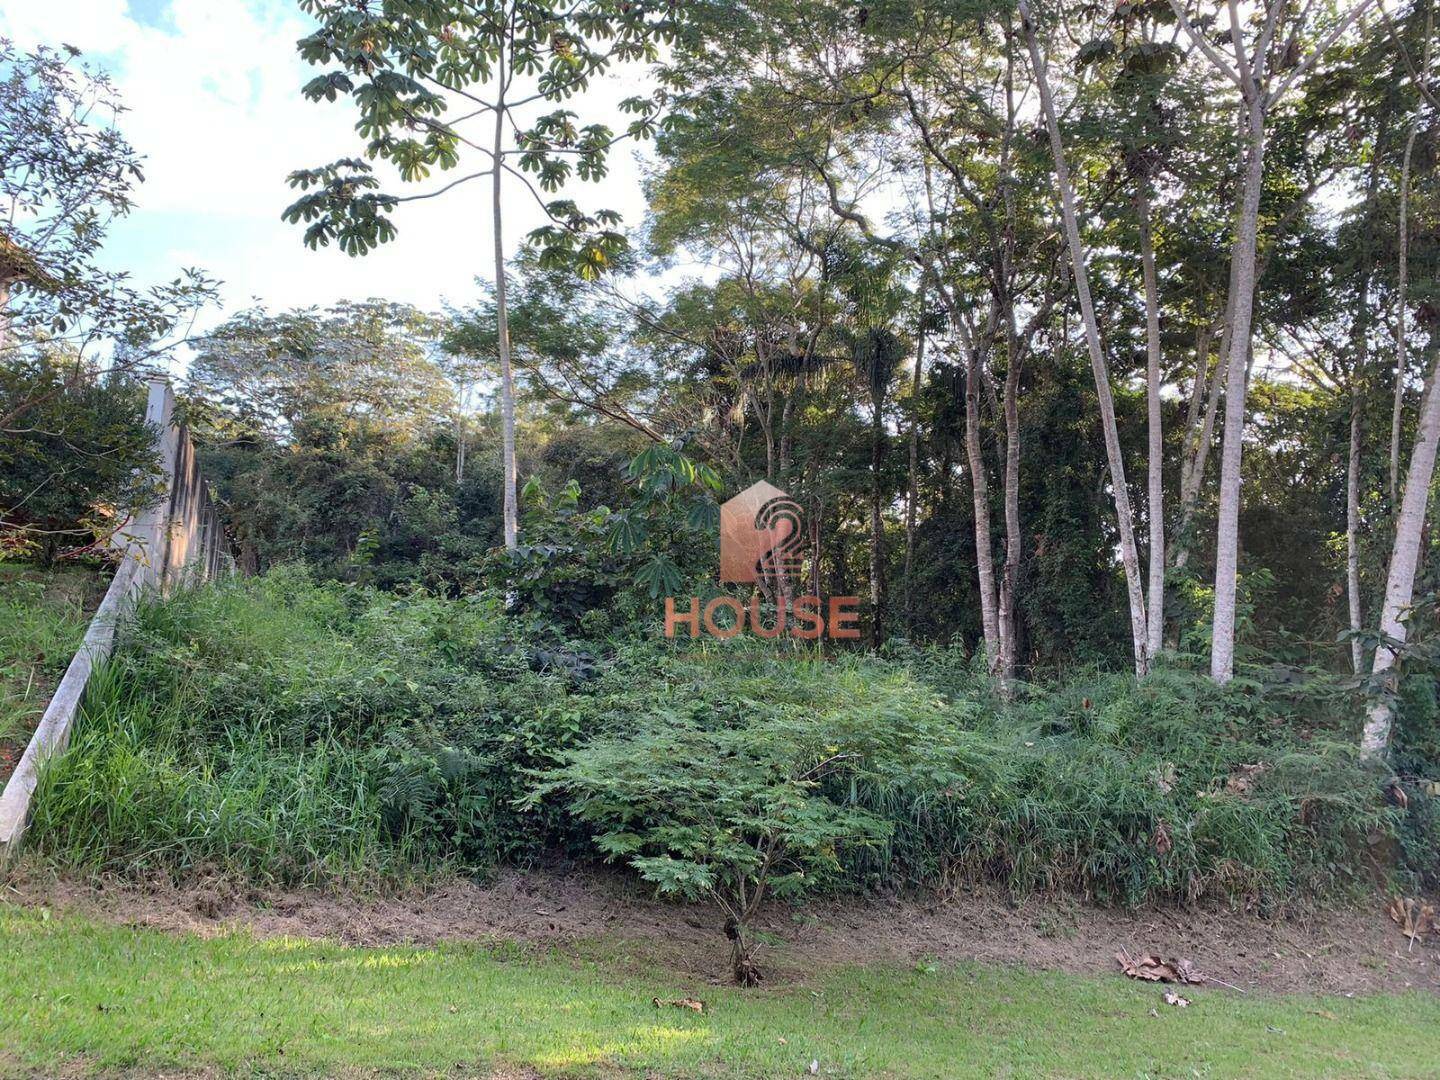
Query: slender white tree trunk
[1359, 361]
[502, 327]
[1155, 615]
[1402, 298]
[1352, 533]
[912, 493]
[1227, 539]
[1129, 556]
[1404, 559]
[1013, 540]
[980, 488]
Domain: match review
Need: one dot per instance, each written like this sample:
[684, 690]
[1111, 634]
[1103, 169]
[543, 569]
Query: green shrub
[709, 806]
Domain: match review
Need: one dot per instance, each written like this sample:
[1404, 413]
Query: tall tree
[1420, 80]
[424, 75]
[1404, 562]
[1266, 65]
[1413, 504]
[1129, 555]
[66, 174]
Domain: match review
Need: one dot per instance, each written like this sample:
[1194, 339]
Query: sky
[212, 89]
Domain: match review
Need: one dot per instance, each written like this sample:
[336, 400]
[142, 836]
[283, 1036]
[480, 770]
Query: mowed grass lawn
[84, 997]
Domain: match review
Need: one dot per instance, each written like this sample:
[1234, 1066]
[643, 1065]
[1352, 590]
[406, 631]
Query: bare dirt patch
[1339, 950]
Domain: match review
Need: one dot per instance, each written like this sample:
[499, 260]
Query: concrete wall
[177, 541]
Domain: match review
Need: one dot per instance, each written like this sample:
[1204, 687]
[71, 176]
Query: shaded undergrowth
[291, 732]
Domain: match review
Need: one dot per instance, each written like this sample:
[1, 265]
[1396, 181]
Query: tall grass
[280, 731]
[43, 615]
[283, 730]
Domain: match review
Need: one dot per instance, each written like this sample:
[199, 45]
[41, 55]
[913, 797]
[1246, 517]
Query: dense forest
[1081, 335]
[1098, 345]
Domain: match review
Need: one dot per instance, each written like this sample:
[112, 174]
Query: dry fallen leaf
[694, 1004]
[1172, 998]
[1162, 840]
[1164, 778]
[1243, 777]
[1151, 968]
[1415, 918]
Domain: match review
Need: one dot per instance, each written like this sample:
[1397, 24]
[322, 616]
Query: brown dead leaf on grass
[1243, 777]
[1172, 998]
[693, 1004]
[1162, 841]
[1415, 918]
[1149, 967]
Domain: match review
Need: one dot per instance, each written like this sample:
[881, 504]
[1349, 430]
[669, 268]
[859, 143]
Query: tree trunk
[1155, 615]
[980, 487]
[1193, 412]
[785, 413]
[1014, 542]
[877, 525]
[912, 492]
[1197, 456]
[1014, 358]
[1129, 557]
[502, 327]
[1352, 533]
[1402, 298]
[1227, 537]
[817, 548]
[7, 335]
[765, 410]
[1404, 559]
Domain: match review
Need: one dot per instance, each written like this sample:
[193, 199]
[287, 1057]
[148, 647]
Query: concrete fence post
[177, 539]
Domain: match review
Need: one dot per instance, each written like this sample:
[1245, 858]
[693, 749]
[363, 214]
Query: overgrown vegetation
[75, 330]
[981, 234]
[43, 615]
[293, 731]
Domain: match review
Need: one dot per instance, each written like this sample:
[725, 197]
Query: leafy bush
[733, 813]
[96, 427]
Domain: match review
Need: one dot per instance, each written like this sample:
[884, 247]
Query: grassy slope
[120, 998]
[43, 615]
